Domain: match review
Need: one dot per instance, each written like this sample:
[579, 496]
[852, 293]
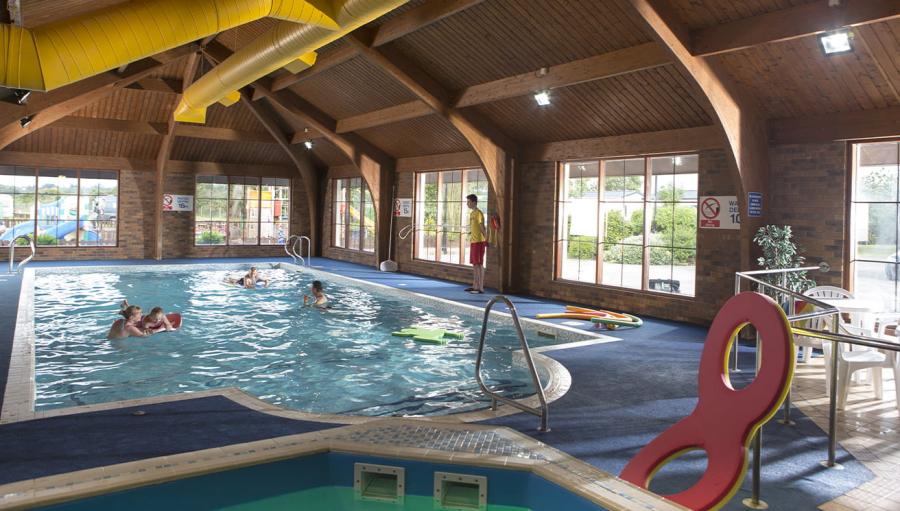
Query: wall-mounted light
[21, 96]
[308, 144]
[836, 41]
[25, 121]
[542, 98]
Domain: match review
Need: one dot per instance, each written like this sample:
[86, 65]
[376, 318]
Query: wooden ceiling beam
[165, 150]
[323, 63]
[791, 23]
[211, 133]
[47, 108]
[866, 124]
[166, 85]
[97, 124]
[599, 67]
[419, 18]
[299, 137]
[265, 115]
[656, 142]
[495, 150]
[732, 109]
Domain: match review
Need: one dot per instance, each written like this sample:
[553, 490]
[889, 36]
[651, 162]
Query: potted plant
[780, 252]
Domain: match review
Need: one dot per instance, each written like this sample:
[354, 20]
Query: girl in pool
[156, 321]
[130, 326]
[318, 297]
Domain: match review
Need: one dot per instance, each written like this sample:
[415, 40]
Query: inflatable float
[610, 320]
[430, 335]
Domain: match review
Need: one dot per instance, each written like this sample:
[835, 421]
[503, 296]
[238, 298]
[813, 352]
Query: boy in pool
[130, 326]
[318, 297]
[156, 321]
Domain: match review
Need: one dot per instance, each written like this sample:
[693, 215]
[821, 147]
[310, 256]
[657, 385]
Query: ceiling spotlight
[836, 41]
[308, 145]
[542, 98]
[21, 96]
[25, 121]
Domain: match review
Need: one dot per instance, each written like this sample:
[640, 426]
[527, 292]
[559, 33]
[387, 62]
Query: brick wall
[137, 202]
[807, 190]
[718, 253]
[328, 248]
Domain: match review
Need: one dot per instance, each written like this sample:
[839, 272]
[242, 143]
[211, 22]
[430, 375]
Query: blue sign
[754, 204]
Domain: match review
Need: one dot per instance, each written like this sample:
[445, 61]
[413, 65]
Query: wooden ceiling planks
[431, 134]
[328, 153]
[352, 88]
[795, 78]
[701, 14]
[502, 38]
[41, 12]
[651, 100]
[227, 151]
[131, 105]
[88, 143]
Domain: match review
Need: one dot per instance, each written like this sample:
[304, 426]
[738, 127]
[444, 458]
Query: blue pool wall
[250, 484]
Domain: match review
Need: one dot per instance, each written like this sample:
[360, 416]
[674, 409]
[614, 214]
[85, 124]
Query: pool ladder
[12, 253]
[544, 411]
[291, 248]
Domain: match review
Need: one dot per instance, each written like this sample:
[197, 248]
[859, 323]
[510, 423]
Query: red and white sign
[178, 202]
[719, 212]
[403, 207]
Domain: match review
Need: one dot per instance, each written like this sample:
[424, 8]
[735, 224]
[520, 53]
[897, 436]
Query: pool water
[263, 341]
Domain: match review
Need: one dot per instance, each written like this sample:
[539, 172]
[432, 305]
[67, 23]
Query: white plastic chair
[851, 361]
[821, 323]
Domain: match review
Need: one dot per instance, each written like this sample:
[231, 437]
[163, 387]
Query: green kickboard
[432, 335]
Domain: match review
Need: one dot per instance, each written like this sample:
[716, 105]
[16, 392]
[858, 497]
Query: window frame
[365, 198]
[850, 245]
[228, 222]
[464, 262]
[78, 172]
[647, 203]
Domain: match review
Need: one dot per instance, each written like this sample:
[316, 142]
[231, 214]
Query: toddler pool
[340, 361]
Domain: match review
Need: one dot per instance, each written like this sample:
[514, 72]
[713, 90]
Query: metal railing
[289, 247]
[784, 295]
[12, 253]
[543, 412]
[308, 260]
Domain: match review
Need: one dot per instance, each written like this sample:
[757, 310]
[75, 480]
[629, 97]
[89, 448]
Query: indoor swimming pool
[343, 360]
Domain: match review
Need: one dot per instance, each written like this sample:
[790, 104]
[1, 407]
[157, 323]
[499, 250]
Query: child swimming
[318, 296]
[249, 280]
[156, 321]
[130, 326]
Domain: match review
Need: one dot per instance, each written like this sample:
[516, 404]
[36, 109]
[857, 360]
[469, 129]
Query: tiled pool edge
[19, 398]
[544, 461]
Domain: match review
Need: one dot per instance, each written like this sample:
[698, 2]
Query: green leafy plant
[46, 239]
[780, 252]
[210, 238]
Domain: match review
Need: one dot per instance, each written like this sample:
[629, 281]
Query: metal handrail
[544, 411]
[288, 247]
[308, 260]
[12, 252]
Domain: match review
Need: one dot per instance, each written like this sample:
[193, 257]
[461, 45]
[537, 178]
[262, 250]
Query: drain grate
[379, 482]
[459, 492]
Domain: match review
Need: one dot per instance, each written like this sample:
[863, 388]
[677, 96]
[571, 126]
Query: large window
[354, 215]
[874, 247]
[68, 208]
[441, 213]
[237, 210]
[629, 223]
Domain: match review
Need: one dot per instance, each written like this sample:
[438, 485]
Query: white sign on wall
[719, 212]
[178, 202]
[403, 207]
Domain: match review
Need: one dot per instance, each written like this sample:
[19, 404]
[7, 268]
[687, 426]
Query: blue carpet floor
[75, 442]
[623, 395]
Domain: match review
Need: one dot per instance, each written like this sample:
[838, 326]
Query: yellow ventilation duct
[60, 53]
[275, 49]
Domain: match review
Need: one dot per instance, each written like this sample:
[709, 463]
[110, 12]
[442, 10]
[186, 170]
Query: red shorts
[476, 253]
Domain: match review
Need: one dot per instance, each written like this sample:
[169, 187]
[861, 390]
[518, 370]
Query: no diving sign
[719, 212]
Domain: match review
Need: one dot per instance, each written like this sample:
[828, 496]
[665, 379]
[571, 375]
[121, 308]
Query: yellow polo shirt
[476, 226]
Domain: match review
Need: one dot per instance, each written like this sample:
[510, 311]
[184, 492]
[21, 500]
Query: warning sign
[719, 212]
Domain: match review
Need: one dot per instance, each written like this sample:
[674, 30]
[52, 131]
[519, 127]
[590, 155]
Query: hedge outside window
[874, 209]
[442, 218]
[65, 207]
[629, 223]
[239, 210]
[354, 215]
